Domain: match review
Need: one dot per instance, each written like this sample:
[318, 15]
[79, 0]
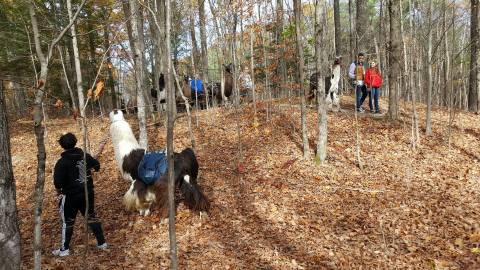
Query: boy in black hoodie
[69, 179]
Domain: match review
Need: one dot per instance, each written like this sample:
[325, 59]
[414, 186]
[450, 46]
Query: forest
[239, 134]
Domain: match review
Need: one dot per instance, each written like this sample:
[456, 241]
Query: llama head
[116, 115]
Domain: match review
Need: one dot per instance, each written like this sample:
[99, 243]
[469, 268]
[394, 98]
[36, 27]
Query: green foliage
[289, 31]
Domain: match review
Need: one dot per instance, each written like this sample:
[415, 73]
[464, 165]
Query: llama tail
[194, 197]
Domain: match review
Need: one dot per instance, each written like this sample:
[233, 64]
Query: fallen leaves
[407, 209]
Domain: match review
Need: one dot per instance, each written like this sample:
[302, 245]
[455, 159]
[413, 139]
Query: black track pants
[69, 207]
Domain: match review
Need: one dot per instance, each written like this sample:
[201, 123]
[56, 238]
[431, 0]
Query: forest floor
[405, 210]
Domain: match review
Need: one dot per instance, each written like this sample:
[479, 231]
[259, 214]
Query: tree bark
[413, 88]
[193, 35]
[39, 128]
[10, 257]
[76, 55]
[282, 66]
[361, 25]
[473, 92]
[320, 29]
[395, 58]
[353, 49]
[171, 123]
[336, 22]
[252, 69]
[428, 124]
[139, 72]
[297, 9]
[67, 82]
[203, 43]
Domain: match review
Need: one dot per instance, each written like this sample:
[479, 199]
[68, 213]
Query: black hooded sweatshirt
[66, 176]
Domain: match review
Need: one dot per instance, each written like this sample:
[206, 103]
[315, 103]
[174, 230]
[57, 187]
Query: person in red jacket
[373, 80]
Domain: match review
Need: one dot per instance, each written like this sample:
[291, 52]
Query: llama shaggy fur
[140, 196]
[123, 140]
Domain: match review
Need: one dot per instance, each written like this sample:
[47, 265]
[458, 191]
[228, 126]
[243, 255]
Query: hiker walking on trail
[373, 80]
[356, 72]
[69, 179]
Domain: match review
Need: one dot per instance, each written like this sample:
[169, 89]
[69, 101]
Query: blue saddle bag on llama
[153, 166]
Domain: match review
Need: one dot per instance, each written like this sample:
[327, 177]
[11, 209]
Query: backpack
[153, 166]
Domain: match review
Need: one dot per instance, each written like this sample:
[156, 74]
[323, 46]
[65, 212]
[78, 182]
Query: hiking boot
[103, 246]
[377, 112]
[360, 110]
[61, 253]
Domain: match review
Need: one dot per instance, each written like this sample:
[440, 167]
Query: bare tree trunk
[161, 54]
[139, 72]
[10, 256]
[252, 68]
[192, 33]
[395, 53]
[473, 91]
[428, 125]
[451, 105]
[297, 9]
[361, 25]
[70, 90]
[147, 101]
[78, 69]
[39, 128]
[382, 57]
[267, 89]
[236, 89]
[320, 59]
[203, 43]
[446, 60]
[222, 49]
[415, 132]
[171, 123]
[350, 28]
[338, 33]
[282, 66]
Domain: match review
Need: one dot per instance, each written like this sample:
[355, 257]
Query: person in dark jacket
[69, 179]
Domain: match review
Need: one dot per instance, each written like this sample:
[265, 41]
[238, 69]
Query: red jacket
[373, 78]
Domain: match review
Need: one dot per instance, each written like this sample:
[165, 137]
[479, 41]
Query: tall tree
[361, 26]
[9, 233]
[428, 124]
[76, 54]
[138, 58]
[320, 31]
[395, 58]
[203, 43]
[473, 91]
[193, 35]
[350, 31]
[170, 126]
[282, 66]
[297, 10]
[336, 22]
[39, 128]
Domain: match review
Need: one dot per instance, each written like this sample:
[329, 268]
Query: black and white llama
[140, 196]
[331, 86]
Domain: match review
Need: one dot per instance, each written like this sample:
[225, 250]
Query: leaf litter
[406, 209]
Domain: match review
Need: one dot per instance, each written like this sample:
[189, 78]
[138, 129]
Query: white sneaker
[103, 246]
[61, 253]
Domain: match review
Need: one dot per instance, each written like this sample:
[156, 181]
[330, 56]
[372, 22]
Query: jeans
[361, 95]
[375, 92]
